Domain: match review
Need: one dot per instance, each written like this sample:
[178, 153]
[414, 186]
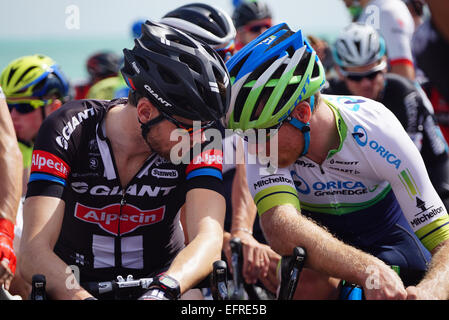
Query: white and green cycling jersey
[375, 156]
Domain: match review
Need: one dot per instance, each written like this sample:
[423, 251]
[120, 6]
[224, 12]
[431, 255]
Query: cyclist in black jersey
[105, 192]
[368, 78]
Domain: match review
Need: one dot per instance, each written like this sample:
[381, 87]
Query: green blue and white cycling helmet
[280, 69]
[358, 45]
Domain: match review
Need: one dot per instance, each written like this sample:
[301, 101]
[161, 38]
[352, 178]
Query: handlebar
[101, 288]
[130, 288]
[291, 267]
[38, 283]
[238, 292]
[219, 286]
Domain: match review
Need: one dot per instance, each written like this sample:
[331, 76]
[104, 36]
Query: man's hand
[259, 261]
[416, 293]
[383, 283]
[7, 255]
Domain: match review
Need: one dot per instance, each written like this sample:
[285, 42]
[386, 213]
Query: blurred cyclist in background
[34, 87]
[360, 54]
[100, 66]
[393, 21]
[251, 18]
[207, 23]
[431, 49]
[113, 86]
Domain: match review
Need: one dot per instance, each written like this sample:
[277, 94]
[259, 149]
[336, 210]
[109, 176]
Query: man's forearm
[436, 280]
[11, 171]
[286, 229]
[194, 262]
[244, 209]
[61, 283]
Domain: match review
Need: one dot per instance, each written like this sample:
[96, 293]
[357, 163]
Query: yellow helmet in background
[33, 76]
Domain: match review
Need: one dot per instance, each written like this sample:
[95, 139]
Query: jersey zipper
[321, 169]
[118, 243]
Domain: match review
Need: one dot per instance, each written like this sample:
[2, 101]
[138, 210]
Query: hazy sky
[41, 18]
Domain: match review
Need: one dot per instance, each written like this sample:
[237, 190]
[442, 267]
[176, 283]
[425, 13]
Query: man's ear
[145, 110]
[302, 112]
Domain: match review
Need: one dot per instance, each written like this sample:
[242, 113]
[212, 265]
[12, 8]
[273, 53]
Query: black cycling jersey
[108, 230]
[403, 98]
[431, 50]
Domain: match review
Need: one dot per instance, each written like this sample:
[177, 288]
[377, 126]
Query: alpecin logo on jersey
[46, 162]
[112, 221]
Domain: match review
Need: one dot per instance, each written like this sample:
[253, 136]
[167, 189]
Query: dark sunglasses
[227, 51]
[360, 77]
[24, 107]
[258, 27]
[188, 127]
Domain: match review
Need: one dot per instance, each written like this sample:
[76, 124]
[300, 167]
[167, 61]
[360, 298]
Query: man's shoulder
[335, 86]
[399, 83]
[393, 15]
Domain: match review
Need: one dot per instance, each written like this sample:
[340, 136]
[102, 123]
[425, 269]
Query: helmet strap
[305, 129]
[145, 127]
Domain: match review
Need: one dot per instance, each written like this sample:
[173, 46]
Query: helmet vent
[288, 93]
[291, 51]
[240, 102]
[302, 65]
[286, 35]
[260, 103]
[261, 69]
[238, 66]
[24, 74]
[190, 62]
[316, 71]
[177, 39]
[142, 63]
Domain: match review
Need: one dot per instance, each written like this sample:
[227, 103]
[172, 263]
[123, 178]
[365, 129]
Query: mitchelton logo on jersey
[116, 220]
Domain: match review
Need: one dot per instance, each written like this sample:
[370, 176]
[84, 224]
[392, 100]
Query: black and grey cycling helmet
[208, 23]
[178, 74]
[248, 11]
[103, 64]
[358, 45]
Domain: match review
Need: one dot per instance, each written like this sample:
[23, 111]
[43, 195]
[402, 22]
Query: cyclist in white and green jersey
[346, 164]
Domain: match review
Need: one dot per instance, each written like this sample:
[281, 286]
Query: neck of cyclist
[323, 132]
[123, 131]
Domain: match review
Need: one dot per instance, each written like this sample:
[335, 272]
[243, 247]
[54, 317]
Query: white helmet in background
[358, 45]
[208, 23]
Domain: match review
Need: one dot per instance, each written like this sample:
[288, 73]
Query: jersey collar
[341, 128]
